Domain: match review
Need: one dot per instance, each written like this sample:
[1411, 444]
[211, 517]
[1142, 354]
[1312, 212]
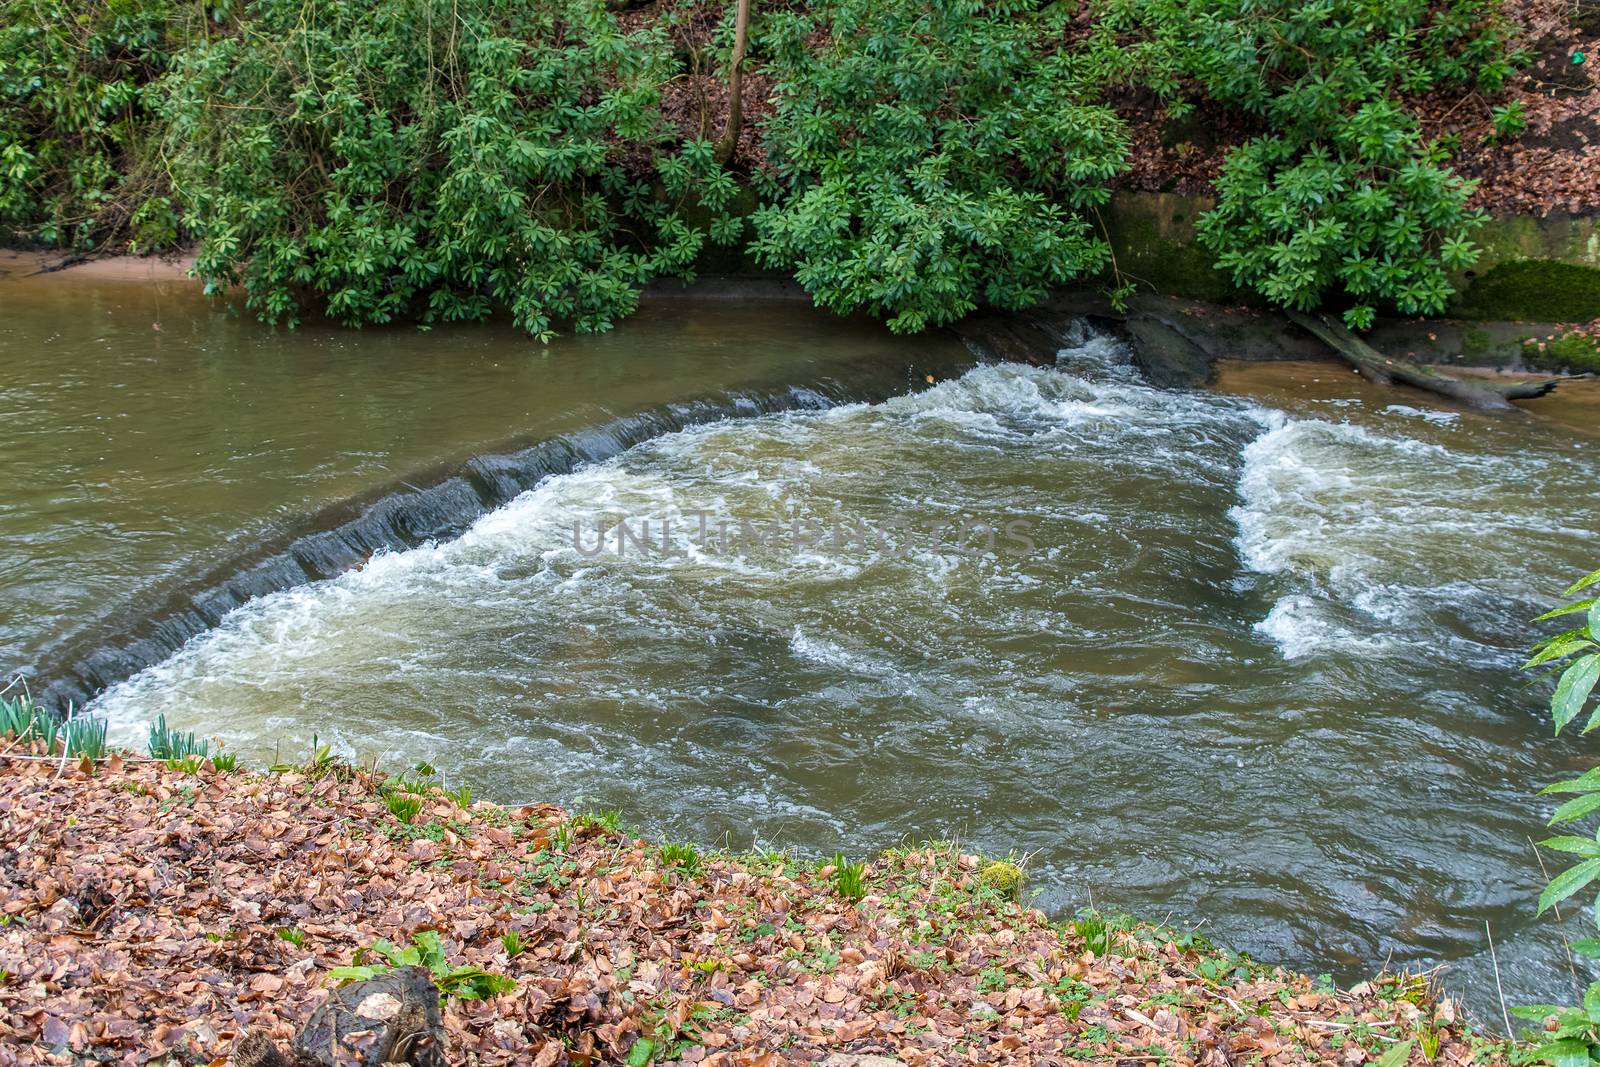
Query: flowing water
[1241, 660]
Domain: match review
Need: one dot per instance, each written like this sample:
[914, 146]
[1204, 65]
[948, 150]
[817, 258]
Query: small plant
[849, 879]
[322, 759]
[1510, 120]
[185, 765]
[1572, 1035]
[168, 744]
[1576, 654]
[512, 942]
[24, 720]
[226, 762]
[609, 820]
[464, 983]
[462, 795]
[80, 737]
[1428, 1040]
[680, 855]
[292, 934]
[403, 806]
[1094, 930]
[85, 737]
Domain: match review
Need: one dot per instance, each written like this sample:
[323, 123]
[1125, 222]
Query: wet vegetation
[431, 161]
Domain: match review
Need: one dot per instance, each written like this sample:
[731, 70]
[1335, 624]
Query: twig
[1504, 1014]
[125, 757]
[1566, 942]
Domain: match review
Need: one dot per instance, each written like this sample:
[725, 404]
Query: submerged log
[1385, 370]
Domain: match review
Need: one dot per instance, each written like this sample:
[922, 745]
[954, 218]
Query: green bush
[76, 118]
[932, 154]
[437, 159]
[1370, 215]
[1340, 199]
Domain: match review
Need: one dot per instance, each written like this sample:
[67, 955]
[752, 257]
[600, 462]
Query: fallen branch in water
[1385, 370]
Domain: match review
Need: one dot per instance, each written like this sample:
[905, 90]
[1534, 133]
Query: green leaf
[1573, 810]
[1576, 608]
[1591, 1002]
[641, 1052]
[1587, 782]
[356, 974]
[1581, 584]
[1577, 681]
[1588, 947]
[1558, 646]
[1396, 1055]
[1587, 847]
[1536, 1013]
[1568, 1052]
[1568, 882]
[430, 949]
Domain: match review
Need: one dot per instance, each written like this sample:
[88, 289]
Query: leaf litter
[155, 913]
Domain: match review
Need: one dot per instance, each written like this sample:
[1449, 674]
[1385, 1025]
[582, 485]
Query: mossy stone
[1535, 290]
[1153, 238]
[1001, 876]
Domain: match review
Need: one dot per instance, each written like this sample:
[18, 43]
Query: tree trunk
[730, 133]
[1383, 370]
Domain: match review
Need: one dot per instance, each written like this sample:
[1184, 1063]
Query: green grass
[79, 737]
[169, 744]
[849, 879]
[681, 855]
[403, 806]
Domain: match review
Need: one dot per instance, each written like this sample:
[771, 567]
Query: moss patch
[1573, 352]
[1002, 876]
[1536, 290]
[1152, 237]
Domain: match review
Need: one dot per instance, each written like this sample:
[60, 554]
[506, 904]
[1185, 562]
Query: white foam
[1438, 418]
[1300, 626]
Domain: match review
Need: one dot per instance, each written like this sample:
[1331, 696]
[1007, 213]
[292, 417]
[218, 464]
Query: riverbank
[153, 909]
[1211, 330]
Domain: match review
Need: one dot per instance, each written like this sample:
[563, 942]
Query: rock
[1167, 358]
[391, 1018]
[1008, 336]
[257, 1050]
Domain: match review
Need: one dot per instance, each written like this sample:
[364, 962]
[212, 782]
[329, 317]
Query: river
[1244, 657]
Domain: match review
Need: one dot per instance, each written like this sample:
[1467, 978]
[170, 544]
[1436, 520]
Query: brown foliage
[144, 909]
